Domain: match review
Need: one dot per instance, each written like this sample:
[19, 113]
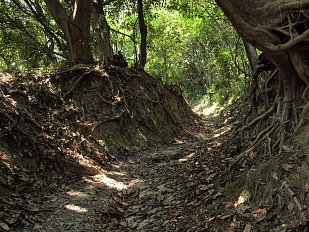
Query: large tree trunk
[76, 29]
[280, 29]
[143, 32]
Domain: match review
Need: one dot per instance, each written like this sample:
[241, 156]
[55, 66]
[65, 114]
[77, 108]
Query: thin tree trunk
[143, 33]
[102, 30]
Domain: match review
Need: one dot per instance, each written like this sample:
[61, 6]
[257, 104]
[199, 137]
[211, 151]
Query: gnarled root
[303, 117]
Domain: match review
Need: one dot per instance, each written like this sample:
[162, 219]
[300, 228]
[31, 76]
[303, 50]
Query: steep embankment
[76, 121]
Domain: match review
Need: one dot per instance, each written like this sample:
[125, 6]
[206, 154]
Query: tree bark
[143, 33]
[251, 54]
[102, 30]
[76, 28]
[280, 29]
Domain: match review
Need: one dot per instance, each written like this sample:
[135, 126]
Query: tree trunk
[102, 30]
[76, 29]
[143, 33]
[280, 29]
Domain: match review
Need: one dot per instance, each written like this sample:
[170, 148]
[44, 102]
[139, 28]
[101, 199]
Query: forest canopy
[190, 45]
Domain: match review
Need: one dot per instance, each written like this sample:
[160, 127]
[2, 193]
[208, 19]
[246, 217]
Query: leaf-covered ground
[172, 187]
[56, 177]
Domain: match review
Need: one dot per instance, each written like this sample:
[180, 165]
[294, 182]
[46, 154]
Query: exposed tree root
[303, 117]
[260, 138]
[293, 196]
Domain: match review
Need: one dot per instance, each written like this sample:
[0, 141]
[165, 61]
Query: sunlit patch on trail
[204, 109]
[76, 208]
[107, 181]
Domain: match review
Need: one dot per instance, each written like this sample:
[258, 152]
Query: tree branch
[289, 44]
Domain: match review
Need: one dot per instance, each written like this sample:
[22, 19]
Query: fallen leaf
[124, 224]
[306, 187]
[248, 228]
[4, 226]
[239, 201]
[38, 227]
[211, 219]
[217, 195]
[259, 212]
[287, 167]
[290, 206]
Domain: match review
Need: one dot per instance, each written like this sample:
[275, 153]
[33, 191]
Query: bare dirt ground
[164, 188]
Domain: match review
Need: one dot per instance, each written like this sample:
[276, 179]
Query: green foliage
[190, 44]
[21, 40]
[196, 49]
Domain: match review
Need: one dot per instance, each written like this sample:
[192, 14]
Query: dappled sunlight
[6, 77]
[107, 181]
[243, 197]
[205, 110]
[76, 208]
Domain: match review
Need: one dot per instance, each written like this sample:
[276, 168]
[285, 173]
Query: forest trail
[163, 188]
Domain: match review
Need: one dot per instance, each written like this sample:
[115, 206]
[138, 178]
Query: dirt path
[159, 189]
